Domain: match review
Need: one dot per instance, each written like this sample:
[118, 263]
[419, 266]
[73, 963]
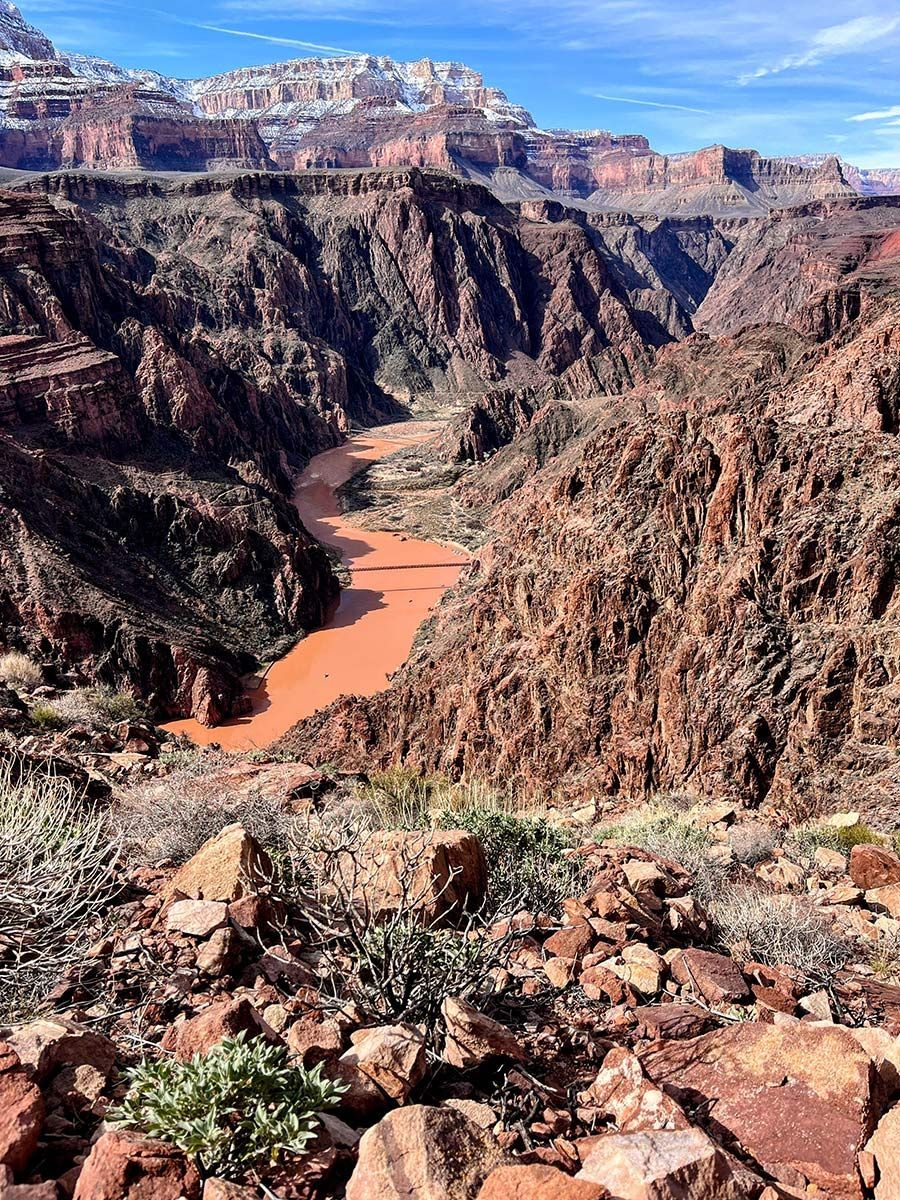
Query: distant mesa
[63, 111]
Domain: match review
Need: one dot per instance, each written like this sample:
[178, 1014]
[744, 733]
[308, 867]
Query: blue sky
[784, 76]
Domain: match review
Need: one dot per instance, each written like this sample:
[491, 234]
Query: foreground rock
[125, 1165]
[227, 867]
[801, 1102]
[429, 1153]
[21, 1112]
[439, 877]
[537, 1182]
[664, 1165]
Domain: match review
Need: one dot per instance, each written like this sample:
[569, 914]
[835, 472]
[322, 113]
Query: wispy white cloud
[855, 34]
[878, 114]
[298, 43]
[644, 103]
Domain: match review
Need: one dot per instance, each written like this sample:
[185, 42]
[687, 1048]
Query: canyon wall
[172, 352]
[698, 592]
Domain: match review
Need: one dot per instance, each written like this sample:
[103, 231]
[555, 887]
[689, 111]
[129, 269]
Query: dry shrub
[393, 961]
[753, 843]
[169, 818]
[773, 929]
[95, 707]
[884, 956]
[18, 671]
[57, 875]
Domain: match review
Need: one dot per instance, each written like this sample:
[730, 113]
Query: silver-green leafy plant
[241, 1105]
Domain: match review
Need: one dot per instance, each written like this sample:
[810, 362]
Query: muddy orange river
[396, 581]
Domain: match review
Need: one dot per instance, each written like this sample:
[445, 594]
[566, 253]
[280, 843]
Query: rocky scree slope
[700, 591]
[626, 1044]
[173, 352]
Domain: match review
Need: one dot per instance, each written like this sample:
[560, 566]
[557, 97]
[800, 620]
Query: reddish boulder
[222, 1189]
[472, 1038]
[681, 1164]
[46, 1045]
[873, 866]
[199, 918]
[572, 941]
[884, 1147]
[392, 1057]
[426, 1153]
[538, 1182]
[671, 1021]
[800, 1100]
[313, 1041]
[126, 1166]
[21, 1111]
[715, 976]
[438, 875]
[227, 867]
[623, 1093]
[224, 1019]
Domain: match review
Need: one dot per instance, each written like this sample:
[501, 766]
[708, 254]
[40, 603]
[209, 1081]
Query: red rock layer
[702, 593]
[208, 336]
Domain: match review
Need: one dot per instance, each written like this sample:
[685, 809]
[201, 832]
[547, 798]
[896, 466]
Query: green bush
[45, 716]
[242, 1104]
[526, 858]
[805, 840]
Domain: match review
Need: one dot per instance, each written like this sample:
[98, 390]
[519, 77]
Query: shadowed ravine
[396, 581]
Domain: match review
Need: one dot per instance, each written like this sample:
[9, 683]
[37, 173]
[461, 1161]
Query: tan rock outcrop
[663, 1165]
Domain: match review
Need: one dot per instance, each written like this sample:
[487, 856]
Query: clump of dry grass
[95, 707]
[665, 829]
[777, 929]
[169, 818]
[57, 875]
[753, 843]
[18, 671]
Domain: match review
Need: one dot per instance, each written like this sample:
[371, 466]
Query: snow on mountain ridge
[20, 41]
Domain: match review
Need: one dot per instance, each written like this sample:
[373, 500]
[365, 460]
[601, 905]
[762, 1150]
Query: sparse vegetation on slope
[240, 1105]
[57, 876]
[18, 671]
[754, 923]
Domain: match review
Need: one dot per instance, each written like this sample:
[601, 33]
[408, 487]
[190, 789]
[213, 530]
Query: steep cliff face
[698, 592]
[716, 180]
[346, 290]
[172, 352]
[20, 41]
[130, 547]
[827, 251]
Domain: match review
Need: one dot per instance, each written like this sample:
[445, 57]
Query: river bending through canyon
[395, 582]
